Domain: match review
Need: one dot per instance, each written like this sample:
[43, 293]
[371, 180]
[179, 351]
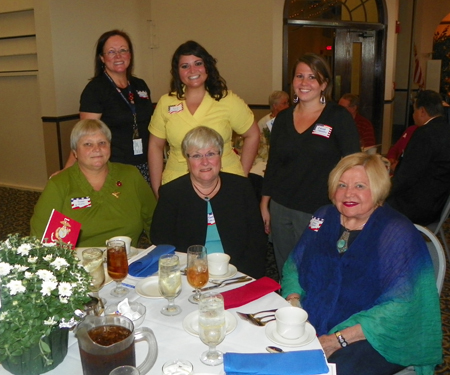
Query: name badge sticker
[83, 202]
[142, 94]
[315, 224]
[175, 108]
[322, 130]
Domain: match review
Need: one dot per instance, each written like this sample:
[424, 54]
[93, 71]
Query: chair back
[437, 255]
[435, 227]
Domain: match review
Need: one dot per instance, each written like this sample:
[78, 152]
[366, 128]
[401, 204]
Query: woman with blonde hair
[364, 274]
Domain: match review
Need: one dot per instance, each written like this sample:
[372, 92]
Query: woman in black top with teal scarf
[211, 208]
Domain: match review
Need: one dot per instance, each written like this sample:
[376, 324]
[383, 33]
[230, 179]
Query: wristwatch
[341, 339]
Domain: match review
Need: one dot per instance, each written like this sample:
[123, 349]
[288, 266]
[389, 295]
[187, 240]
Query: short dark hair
[320, 69]
[215, 84]
[353, 100]
[99, 66]
[431, 101]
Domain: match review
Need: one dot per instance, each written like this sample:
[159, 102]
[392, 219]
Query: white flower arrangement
[41, 285]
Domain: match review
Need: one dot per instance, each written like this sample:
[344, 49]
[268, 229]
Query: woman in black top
[120, 100]
[306, 143]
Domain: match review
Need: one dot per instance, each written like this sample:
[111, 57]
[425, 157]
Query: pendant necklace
[206, 196]
[342, 242]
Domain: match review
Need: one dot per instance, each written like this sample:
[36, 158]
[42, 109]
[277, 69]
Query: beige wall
[22, 152]
[245, 37]
[240, 34]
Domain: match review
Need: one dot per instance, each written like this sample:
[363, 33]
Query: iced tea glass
[197, 270]
[117, 264]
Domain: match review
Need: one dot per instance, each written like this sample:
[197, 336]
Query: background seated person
[395, 153]
[211, 208]
[363, 273]
[278, 101]
[365, 127]
[121, 201]
[421, 182]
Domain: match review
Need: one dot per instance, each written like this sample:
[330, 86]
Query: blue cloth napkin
[305, 362]
[148, 264]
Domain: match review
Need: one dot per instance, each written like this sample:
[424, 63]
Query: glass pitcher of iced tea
[107, 342]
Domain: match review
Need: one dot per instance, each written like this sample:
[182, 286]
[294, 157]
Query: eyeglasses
[208, 155]
[120, 52]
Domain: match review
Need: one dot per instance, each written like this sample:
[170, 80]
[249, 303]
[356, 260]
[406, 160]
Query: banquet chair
[438, 257]
[437, 228]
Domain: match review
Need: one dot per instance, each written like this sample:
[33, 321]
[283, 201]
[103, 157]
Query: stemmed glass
[93, 263]
[211, 326]
[117, 263]
[197, 270]
[169, 282]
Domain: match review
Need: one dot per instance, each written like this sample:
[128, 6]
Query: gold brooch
[116, 194]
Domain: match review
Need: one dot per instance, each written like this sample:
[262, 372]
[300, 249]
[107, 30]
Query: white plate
[190, 323]
[272, 335]
[232, 270]
[148, 287]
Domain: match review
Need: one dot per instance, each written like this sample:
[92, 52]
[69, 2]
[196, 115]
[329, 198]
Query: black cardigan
[421, 182]
[180, 220]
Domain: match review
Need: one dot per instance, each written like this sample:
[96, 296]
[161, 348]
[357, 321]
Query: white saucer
[190, 323]
[272, 335]
[148, 287]
[232, 270]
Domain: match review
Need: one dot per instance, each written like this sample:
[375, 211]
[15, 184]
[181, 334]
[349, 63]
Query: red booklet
[63, 228]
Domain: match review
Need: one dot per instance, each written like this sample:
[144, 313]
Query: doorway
[355, 50]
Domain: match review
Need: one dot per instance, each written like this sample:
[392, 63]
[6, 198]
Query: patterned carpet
[16, 208]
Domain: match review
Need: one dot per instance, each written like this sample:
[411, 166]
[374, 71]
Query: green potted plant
[41, 285]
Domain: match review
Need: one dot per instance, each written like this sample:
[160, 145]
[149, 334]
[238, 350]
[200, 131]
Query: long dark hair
[215, 84]
[99, 66]
[320, 69]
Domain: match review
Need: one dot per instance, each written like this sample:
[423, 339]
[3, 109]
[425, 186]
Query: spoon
[274, 349]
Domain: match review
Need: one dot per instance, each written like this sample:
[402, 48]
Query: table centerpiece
[41, 285]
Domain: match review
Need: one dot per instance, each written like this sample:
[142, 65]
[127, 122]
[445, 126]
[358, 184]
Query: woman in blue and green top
[363, 273]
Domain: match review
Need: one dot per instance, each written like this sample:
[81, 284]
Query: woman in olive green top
[108, 199]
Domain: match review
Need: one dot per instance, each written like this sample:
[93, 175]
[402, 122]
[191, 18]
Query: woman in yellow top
[198, 96]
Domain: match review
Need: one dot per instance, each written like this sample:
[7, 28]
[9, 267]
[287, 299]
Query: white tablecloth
[174, 342]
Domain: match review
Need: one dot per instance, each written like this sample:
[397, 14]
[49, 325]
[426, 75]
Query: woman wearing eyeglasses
[212, 208]
[121, 100]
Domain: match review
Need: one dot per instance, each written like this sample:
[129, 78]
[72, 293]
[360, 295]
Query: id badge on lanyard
[137, 140]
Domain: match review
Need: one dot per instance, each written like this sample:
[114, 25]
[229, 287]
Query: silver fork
[217, 282]
[259, 321]
[225, 283]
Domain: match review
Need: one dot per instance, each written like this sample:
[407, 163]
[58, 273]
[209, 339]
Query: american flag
[418, 76]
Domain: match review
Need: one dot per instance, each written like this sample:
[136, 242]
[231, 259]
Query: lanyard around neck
[130, 102]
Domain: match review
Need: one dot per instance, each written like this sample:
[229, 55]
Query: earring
[295, 100]
[322, 99]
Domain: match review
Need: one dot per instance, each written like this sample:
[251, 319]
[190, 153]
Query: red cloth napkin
[249, 292]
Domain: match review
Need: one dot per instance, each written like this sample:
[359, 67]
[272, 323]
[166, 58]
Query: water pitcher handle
[146, 334]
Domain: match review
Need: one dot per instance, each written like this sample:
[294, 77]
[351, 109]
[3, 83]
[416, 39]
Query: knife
[225, 284]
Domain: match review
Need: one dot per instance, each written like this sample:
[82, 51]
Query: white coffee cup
[291, 322]
[218, 263]
[125, 239]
